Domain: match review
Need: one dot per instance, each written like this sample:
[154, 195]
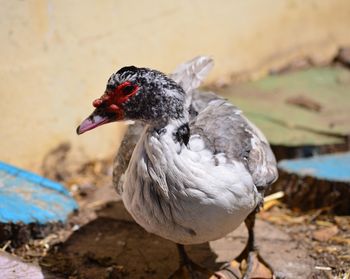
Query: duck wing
[224, 129]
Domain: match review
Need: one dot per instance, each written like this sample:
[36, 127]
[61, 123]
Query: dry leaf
[325, 234]
[282, 218]
[228, 271]
[324, 223]
[343, 222]
[274, 196]
[268, 205]
[340, 240]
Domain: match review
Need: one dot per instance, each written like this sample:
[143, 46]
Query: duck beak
[98, 118]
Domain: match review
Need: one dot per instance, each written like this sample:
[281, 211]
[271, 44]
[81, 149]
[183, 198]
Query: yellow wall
[56, 56]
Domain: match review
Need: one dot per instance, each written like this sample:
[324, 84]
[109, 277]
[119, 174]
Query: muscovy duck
[199, 167]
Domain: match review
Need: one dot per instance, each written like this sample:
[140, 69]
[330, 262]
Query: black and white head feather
[158, 99]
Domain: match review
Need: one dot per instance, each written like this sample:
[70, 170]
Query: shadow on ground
[113, 246]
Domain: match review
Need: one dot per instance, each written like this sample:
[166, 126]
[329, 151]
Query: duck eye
[128, 89]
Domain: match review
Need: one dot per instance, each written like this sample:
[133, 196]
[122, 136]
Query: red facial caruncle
[109, 107]
[112, 99]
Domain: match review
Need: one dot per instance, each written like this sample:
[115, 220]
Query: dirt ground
[102, 241]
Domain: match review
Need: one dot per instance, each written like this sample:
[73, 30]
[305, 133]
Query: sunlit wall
[56, 56]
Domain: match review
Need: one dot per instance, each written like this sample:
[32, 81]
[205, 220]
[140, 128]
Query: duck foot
[229, 270]
[249, 264]
[253, 268]
[257, 267]
[188, 269]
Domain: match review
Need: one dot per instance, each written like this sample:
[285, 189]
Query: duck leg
[188, 269]
[255, 267]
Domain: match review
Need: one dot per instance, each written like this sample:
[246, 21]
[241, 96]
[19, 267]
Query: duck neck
[161, 145]
[174, 123]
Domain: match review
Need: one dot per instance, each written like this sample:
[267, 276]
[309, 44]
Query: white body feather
[187, 195]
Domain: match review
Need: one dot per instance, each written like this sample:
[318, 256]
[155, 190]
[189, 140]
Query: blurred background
[57, 56]
[284, 63]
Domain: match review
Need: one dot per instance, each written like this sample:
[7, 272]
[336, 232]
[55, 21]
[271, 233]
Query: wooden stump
[321, 181]
[30, 205]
